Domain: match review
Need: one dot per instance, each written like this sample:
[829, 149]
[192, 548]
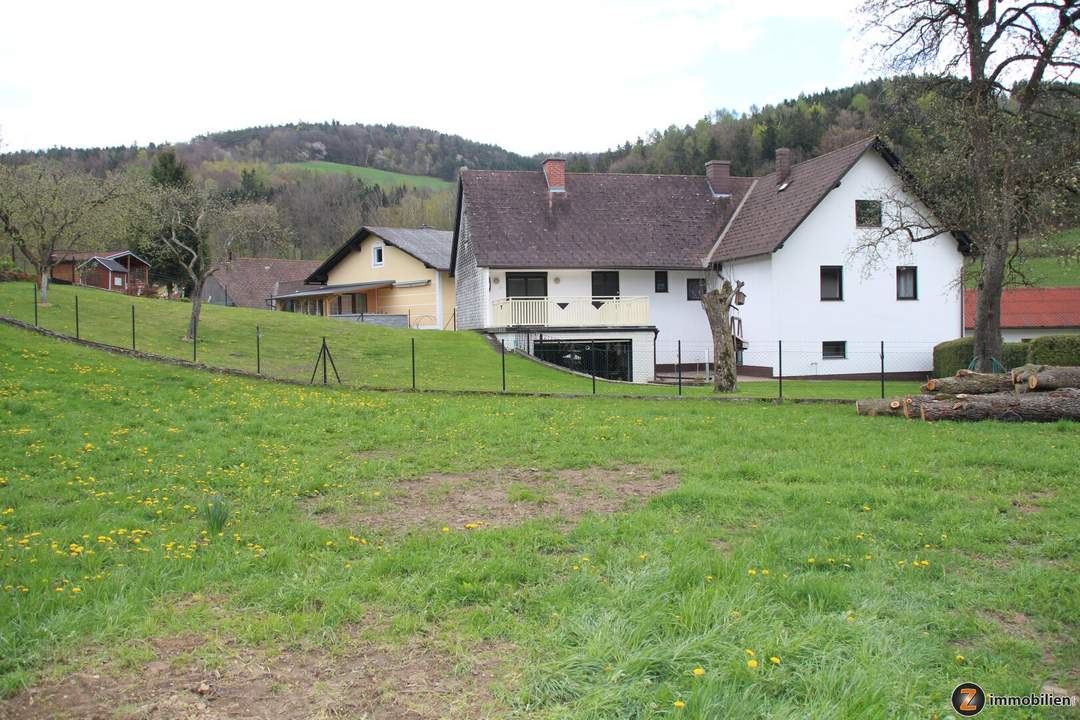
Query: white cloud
[555, 75]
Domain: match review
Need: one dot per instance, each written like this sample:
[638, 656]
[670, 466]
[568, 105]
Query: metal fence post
[780, 363]
[33, 286]
[882, 369]
[413, 344]
[76, 317]
[325, 379]
[592, 364]
[502, 343]
[258, 350]
[132, 327]
[195, 344]
[678, 364]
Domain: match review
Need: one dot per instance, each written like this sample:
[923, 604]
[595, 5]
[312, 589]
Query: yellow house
[392, 276]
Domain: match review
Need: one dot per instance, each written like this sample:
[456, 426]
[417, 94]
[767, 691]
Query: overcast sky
[530, 76]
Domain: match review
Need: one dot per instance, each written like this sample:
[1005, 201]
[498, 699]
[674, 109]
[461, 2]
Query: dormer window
[377, 256]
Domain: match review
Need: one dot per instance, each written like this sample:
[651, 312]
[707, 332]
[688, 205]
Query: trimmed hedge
[953, 355]
[1054, 350]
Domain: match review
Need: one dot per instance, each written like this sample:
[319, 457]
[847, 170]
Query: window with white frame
[377, 256]
[834, 350]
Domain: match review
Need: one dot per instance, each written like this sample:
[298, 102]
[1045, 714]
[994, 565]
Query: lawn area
[365, 355]
[374, 176]
[1054, 264]
[496, 556]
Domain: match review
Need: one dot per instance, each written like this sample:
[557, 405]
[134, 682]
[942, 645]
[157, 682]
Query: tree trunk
[717, 304]
[1054, 378]
[1021, 374]
[988, 345]
[966, 381]
[1030, 407]
[196, 308]
[43, 285]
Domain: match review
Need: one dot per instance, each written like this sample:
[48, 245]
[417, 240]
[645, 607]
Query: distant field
[374, 176]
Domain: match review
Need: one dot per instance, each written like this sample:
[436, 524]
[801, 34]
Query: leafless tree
[192, 220]
[717, 304]
[47, 207]
[997, 95]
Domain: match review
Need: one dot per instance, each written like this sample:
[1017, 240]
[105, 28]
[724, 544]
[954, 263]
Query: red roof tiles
[1032, 308]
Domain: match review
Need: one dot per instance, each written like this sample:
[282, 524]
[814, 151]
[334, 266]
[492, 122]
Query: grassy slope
[94, 444]
[1056, 266]
[372, 176]
[364, 354]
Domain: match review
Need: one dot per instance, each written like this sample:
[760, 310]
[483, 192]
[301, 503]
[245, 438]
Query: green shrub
[1055, 350]
[1016, 354]
[953, 355]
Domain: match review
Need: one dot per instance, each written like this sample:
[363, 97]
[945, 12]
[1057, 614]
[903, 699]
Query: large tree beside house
[46, 207]
[999, 130]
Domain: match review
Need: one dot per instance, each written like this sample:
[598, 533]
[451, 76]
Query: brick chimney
[718, 173]
[783, 165]
[555, 174]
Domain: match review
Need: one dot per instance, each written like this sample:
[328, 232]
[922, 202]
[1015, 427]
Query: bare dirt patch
[498, 498]
[362, 680]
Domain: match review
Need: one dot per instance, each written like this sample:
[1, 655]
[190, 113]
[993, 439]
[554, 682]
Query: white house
[606, 270]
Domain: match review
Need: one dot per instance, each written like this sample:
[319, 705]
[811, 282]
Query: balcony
[571, 312]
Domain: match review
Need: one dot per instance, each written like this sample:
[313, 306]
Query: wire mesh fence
[273, 344]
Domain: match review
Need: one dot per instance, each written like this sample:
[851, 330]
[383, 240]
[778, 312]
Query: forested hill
[810, 125]
[409, 150]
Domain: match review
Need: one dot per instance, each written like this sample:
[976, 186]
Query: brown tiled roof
[601, 221]
[645, 221]
[250, 281]
[770, 215]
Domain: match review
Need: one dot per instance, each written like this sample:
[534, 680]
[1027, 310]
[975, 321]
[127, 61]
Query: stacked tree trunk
[1032, 393]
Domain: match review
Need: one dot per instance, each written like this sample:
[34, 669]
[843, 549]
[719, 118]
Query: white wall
[675, 317]
[788, 306]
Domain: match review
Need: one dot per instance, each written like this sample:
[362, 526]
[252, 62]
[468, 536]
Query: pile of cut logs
[1033, 393]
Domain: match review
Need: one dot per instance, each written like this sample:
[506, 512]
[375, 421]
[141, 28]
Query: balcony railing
[571, 311]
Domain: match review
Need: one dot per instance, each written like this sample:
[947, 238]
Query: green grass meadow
[864, 565]
[373, 176]
[365, 355]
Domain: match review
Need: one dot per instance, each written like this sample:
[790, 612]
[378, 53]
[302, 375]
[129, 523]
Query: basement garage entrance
[610, 358]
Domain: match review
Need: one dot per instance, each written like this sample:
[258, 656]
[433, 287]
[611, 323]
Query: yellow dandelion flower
[751, 571]
[643, 556]
[774, 660]
[445, 529]
[709, 578]
[679, 704]
[749, 652]
[751, 663]
[699, 671]
[810, 561]
[765, 571]
[959, 658]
